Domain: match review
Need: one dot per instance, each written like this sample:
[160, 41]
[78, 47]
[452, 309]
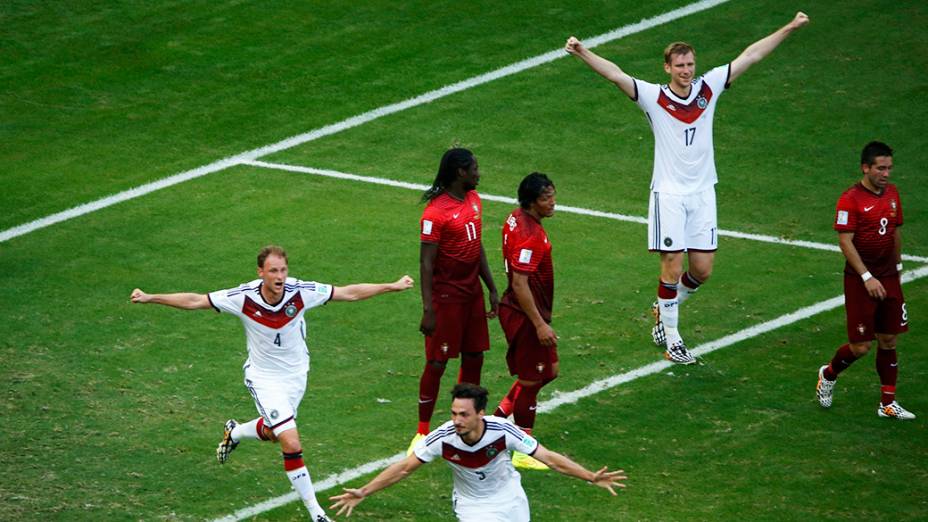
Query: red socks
[471, 364]
[524, 407]
[428, 392]
[508, 403]
[843, 358]
[888, 370]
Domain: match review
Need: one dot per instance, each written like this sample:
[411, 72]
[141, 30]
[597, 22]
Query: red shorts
[867, 316]
[459, 327]
[526, 357]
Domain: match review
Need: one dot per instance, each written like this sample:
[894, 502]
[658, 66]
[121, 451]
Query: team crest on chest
[702, 102]
[492, 452]
[290, 310]
[892, 206]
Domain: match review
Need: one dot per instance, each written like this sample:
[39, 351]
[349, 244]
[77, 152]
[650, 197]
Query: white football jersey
[484, 470]
[684, 157]
[275, 333]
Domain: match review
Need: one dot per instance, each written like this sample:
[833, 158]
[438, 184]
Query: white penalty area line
[560, 399]
[354, 121]
[560, 208]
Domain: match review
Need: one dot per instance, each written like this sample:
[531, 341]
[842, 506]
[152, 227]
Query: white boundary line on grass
[561, 208]
[354, 121]
[560, 399]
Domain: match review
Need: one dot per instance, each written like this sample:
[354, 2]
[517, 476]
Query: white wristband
[866, 276]
[898, 267]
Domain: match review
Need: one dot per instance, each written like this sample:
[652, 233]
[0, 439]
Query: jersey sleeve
[646, 94]
[429, 448]
[846, 214]
[717, 78]
[222, 302]
[430, 225]
[315, 294]
[518, 440]
[525, 253]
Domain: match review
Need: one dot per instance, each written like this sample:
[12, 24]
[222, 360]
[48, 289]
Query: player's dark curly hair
[466, 390]
[452, 160]
[532, 186]
[874, 149]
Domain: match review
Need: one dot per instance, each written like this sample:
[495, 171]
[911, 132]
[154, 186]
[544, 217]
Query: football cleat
[894, 411]
[523, 461]
[657, 333]
[226, 445]
[322, 518]
[677, 353]
[412, 444]
[824, 388]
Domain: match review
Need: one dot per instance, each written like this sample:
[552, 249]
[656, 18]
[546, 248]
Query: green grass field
[112, 411]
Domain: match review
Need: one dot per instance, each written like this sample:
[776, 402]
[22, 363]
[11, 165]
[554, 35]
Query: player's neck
[475, 435]
[457, 192]
[678, 89]
[871, 187]
[269, 297]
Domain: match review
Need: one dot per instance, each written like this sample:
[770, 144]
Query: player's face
[471, 176]
[682, 68]
[274, 274]
[544, 204]
[466, 419]
[878, 173]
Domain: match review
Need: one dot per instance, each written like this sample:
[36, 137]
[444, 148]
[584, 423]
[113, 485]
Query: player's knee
[437, 365]
[860, 349]
[290, 441]
[886, 342]
[529, 384]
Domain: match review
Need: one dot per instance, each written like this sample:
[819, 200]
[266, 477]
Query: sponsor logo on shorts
[540, 367]
[274, 414]
[861, 329]
[444, 348]
[668, 241]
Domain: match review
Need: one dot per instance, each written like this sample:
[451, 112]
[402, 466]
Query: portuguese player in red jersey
[868, 218]
[451, 264]
[525, 309]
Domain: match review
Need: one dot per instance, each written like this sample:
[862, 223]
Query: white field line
[561, 208]
[560, 399]
[354, 121]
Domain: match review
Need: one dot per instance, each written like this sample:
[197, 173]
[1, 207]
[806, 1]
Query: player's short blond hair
[677, 48]
[271, 250]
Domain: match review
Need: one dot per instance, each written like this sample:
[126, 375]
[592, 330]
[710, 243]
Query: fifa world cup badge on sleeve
[842, 217]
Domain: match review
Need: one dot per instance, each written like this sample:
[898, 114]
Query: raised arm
[758, 50]
[562, 464]
[604, 67]
[361, 291]
[184, 301]
[393, 474]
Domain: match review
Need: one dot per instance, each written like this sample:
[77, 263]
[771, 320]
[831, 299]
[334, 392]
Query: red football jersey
[526, 250]
[873, 219]
[455, 226]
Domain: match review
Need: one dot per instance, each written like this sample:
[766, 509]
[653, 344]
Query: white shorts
[680, 223]
[512, 509]
[277, 398]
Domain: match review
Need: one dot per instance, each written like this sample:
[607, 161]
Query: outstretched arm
[604, 67]
[758, 50]
[184, 301]
[393, 474]
[560, 463]
[361, 291]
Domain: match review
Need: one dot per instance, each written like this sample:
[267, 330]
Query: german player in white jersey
[487, 488]
[682, 209]
[271, 309]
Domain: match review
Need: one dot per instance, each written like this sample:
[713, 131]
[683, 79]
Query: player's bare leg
[299, 477]
[669, 310]
[698, 272]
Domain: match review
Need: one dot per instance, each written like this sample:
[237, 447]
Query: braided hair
[453, 159]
